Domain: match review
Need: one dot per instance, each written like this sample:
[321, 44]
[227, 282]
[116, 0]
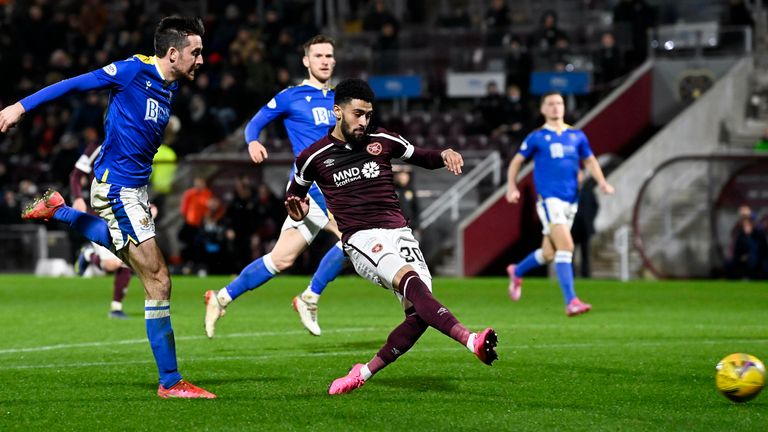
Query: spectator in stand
[496, 22]
[194, 207]
[631, 21]
[490, 108]
[386, 50]
[66, 153]
[271, 212]
[608, 62]
[88, 114]
[242, 221]
[515, 122]
[454, 17]
[749, 248]
[409, 202]
[544, 38]
[10, 208]
[164, 166]
[212, 241]
[378, 17]
[517, 64]
[245, 44]
[584, 222]
[259, 78]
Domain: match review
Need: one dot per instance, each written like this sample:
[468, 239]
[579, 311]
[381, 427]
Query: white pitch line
[361, 352]
[514, 329]
[178, 338]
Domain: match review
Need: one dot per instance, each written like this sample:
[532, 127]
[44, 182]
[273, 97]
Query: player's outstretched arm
[11, 115]
[297, 207]
[593, 166]
[513, 194]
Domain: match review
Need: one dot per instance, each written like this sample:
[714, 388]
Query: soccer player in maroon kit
[96, 255]
[353, 169]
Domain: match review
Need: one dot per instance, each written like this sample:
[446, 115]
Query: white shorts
[126, 211]
[378, 254]
[311, 225]
[103, 253]
[555, 211]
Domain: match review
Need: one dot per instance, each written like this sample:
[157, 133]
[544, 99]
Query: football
[740, 377]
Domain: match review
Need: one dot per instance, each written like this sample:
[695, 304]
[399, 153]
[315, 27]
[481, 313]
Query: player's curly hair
[352, 88]
[173, 31]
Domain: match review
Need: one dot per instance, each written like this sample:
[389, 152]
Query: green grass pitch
[642, 360]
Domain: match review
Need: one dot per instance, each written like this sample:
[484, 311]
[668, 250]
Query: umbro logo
[329, 162]
[442, 311]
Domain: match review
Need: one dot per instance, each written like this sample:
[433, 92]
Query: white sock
[471, 342]
[365, 372]
[223, 297]
[309, 296]
[116, 306]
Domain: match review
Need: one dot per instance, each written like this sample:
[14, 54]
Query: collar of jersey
[157, 67]
[337, 142]
[551, 129]
[307, 83]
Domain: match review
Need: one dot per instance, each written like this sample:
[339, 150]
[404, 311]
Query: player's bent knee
[283, 263]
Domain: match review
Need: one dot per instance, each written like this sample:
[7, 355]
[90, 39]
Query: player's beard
[349, 135]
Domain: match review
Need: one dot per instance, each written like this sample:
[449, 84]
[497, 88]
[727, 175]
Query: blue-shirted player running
[307, 112]
[141, 91]
[556, 149]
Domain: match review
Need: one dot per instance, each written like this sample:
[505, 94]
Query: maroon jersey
[83, 167]
[357, 181]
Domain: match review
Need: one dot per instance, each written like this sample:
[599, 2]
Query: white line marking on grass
[178, 338]
[64, 366]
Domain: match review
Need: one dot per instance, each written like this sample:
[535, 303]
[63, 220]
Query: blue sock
[565, 274]
[253, 276]
[91, 227]
[157, 314]
[330, 266]
[533, 260]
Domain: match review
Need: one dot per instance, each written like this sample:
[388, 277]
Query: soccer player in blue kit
[556, 149]
[141, 91]
[307, 110]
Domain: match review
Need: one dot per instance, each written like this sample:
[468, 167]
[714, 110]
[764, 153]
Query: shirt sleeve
[584, 150]
[527, 148]
[277, 107]
[426, 158]
[118, 74]
[109, 76]
[303, 176]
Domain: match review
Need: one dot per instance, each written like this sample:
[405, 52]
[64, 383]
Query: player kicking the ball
[354, 171]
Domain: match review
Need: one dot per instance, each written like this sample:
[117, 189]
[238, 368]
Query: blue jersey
[556, 160]
[139, 109]
[307, 113]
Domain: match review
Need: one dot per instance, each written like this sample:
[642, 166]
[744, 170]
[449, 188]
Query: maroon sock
[400, 340]
[122, 278]
[429, 309]
[96, 260]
